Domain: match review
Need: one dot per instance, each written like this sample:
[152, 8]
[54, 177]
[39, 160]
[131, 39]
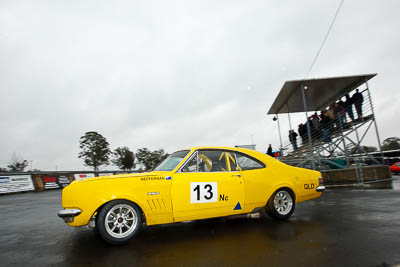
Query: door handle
[238, 175]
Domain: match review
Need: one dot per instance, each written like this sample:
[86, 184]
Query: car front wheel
[119, 221]
[281, 204]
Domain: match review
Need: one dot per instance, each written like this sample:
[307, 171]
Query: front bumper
[68, 214]
[320, 188]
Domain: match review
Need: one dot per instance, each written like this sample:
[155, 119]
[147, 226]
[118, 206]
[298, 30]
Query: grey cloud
[178, 73]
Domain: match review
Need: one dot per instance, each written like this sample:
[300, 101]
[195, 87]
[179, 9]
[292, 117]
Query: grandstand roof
[319, 93]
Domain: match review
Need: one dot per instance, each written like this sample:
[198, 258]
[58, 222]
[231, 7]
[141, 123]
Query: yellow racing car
[192, 184]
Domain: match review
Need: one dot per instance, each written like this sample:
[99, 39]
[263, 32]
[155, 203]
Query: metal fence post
[302, 88]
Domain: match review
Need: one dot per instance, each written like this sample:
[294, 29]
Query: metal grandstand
[345, 148]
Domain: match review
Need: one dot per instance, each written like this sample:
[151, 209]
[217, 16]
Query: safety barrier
[40, 181]
[377, 176]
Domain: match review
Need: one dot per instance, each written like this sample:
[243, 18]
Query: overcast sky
[176, 74]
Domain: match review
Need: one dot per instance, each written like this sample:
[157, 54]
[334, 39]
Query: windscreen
[172, 161]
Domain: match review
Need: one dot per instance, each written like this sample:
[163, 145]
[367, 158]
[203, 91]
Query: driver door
[208, 185]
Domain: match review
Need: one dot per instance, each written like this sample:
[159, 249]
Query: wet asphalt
[342, 228]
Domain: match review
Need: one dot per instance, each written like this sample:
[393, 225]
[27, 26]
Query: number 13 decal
[203, 192]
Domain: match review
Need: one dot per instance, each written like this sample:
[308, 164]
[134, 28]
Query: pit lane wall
[25, 182]
[377, 176]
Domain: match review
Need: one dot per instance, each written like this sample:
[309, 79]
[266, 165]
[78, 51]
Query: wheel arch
[282, 186]
[121, 198]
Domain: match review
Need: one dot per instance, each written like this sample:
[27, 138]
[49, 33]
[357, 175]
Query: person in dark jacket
[315, 123]
[302, 133]
[358, 100]
[343, 110]
[339, 115]
[348, 106]
[292, 139]
[326, 125]
[269, 151]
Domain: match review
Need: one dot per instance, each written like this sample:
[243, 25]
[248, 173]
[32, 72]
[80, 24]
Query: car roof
[243, 150]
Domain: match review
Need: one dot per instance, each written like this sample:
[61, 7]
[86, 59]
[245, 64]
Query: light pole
[276, 118]
[303, 88]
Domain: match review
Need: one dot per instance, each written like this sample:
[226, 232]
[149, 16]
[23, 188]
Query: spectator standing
[348, 106]
[342, 110]
[315, 125]
[292, 139]
[339, 114]
[302, 133]
[269, 151]
[331, 113]
[358, 100]
[326, 124]
[310, 126]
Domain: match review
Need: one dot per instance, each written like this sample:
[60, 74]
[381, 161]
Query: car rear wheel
[281, 204]
[118, 221]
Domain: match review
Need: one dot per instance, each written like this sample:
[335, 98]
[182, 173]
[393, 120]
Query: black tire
[119, 221]
[281, 205]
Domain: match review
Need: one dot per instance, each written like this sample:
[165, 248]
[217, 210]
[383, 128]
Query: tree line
[95, 152]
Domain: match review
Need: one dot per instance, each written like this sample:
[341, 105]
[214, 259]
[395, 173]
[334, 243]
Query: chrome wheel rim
[121, 221]
[283, 202]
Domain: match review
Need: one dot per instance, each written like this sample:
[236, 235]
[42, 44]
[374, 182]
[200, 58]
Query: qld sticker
[203, 192]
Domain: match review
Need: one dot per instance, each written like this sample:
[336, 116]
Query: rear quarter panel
[260, 184]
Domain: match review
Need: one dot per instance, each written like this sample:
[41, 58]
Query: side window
[205, 162]
[247, 163]
[217, 161]
[212, 161]
[191, 166]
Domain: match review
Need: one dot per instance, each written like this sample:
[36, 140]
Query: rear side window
[248, 163]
